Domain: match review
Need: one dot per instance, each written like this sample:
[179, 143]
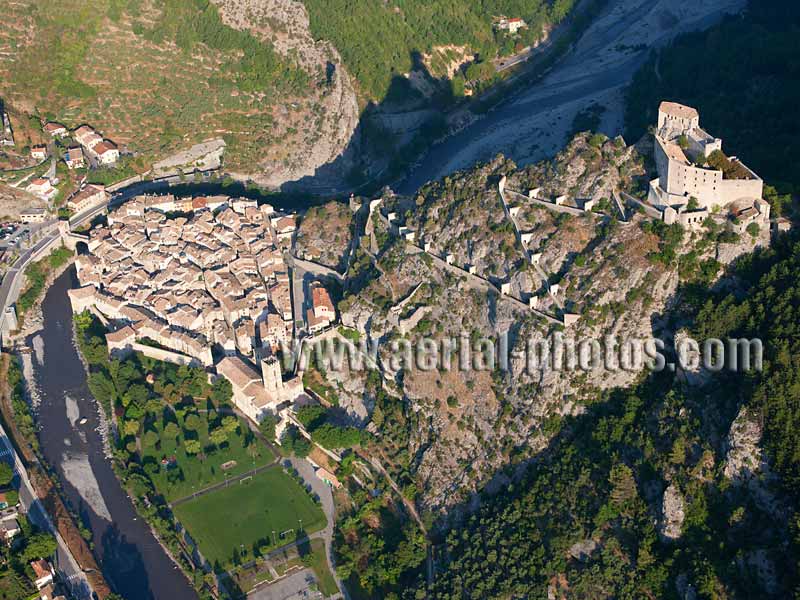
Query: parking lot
[298, 586]
[12, 233]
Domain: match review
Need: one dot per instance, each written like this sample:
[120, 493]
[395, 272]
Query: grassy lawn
[242, 517]
[194, 472]
[316, 560]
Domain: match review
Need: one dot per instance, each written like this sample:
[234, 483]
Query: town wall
[165, 355]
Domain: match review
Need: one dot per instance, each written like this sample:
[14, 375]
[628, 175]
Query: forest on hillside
[379, 40]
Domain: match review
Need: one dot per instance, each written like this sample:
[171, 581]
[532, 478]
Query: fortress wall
[686, 180]
[703, 184]
[736, 189]
[666, 120]
[165, 355]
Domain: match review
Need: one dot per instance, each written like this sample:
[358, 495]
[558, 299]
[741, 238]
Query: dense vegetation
[379, 549]
[188, 23]
[16, 574]
[23, 419]
[319, 422]
[746, 91]
[36, 275]
[379, 41]
[164, 445]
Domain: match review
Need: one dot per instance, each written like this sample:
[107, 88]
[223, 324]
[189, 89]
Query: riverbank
[533, 122]
[39, 493]
[70, 426]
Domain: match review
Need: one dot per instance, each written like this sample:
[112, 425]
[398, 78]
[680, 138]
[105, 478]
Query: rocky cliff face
[672, 513]
[460, 427]
[746, 463]
[325, 235]
[323, 124]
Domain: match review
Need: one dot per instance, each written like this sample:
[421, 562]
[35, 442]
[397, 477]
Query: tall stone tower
[271, 375]
[65, 232]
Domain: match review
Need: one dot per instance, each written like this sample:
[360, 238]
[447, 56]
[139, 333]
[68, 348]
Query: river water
[132, 560]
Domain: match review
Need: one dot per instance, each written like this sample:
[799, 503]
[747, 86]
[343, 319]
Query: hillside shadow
[624, 426]
[390, 134]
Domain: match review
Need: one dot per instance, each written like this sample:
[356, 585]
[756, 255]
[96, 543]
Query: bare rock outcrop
[331, 112]
[746, 463]
[672, 514]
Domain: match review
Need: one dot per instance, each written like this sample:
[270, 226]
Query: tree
[331, 436]
[221, 391]
[267, 426]
[136, 394]
[312, 416]
[192, 422]
[623, 486]
[479, 71]
[230, 424]
[39, 545]
[218, 436]
[6, 474]
[150, 438]
[294, 442]
[171, 430]
[130, 427]
[83, 321]
[191, 446]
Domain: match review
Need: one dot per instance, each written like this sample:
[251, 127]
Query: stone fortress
[695, 177]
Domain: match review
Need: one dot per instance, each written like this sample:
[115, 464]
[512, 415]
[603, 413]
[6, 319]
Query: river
[534, 122]
[132, 560]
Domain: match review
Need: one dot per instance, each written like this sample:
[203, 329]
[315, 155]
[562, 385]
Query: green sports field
[242, 517]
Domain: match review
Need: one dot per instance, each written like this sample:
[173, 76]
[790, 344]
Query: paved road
[322, 490]
[64, 563]
[12, 280]
[10, 285]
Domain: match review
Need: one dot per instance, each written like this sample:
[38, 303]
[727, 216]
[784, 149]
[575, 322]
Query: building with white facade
[692, 168]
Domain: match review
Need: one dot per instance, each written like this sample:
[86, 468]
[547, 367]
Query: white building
[89, 196]
[682, 154]
[56, 130]
[105, 152]
[39, 152]
[258, 394]
[74, 158]
[42, 188]
[33, 215]
[511, 25]
[322, 313]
